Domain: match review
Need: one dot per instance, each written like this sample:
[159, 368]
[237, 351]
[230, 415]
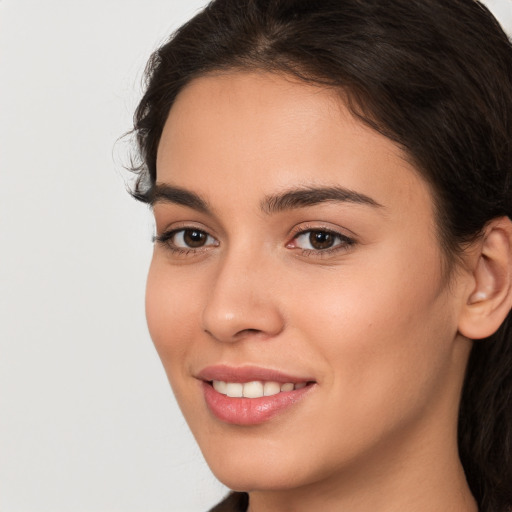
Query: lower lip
[251, 411]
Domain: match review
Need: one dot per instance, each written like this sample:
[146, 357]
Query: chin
[246, 476]
[267, 463]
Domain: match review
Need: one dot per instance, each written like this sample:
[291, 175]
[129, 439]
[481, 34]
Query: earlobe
[489, 300]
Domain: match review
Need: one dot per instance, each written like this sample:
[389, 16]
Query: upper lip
[247, 374]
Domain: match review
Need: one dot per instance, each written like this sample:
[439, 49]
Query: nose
[242, 302]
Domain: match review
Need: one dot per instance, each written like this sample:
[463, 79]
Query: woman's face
[298, 248]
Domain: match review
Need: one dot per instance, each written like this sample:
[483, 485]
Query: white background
[87, 420]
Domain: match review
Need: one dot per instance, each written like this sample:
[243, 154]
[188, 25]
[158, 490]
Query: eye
[191, 239]
[186, 239]
[320, 240]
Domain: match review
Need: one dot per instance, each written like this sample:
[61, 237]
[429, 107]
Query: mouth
[250, 395]
[255, 388]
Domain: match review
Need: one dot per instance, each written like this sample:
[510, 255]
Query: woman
[331, 281]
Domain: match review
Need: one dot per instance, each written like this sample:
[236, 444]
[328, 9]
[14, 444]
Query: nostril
[248, 331]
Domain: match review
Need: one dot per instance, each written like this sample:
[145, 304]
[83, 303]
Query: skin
[374, 322]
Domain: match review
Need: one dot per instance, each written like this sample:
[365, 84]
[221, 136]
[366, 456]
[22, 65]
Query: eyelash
[344, 242]
[165, 239]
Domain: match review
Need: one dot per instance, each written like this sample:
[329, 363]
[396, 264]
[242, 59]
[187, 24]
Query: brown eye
[321, 239]
[194, 238]
[187, 239]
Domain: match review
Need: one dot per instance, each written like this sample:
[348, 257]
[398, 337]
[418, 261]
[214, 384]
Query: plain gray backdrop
[87, 420]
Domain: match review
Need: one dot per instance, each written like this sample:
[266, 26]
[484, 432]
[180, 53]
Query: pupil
[321, 239]
[194, 238]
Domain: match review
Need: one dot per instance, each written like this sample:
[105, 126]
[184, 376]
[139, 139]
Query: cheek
[171, 314]
[384, 330]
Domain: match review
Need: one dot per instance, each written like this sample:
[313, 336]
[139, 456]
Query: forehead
[273, 131]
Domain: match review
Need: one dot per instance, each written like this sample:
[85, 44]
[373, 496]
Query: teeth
[220, 386]
[271, 388]
[234, 389]
[254, 389]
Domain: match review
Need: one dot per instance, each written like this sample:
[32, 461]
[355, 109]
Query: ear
[488, 297]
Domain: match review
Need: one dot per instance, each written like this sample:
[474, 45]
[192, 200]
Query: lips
[251, 395]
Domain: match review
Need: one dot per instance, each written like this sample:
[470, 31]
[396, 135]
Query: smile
[251, 395]
[254, 389]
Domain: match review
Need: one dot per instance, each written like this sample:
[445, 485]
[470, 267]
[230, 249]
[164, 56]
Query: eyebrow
[162, 193]
[288, 200]
[309, 196]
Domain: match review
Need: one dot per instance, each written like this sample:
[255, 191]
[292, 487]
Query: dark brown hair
[435, 76]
